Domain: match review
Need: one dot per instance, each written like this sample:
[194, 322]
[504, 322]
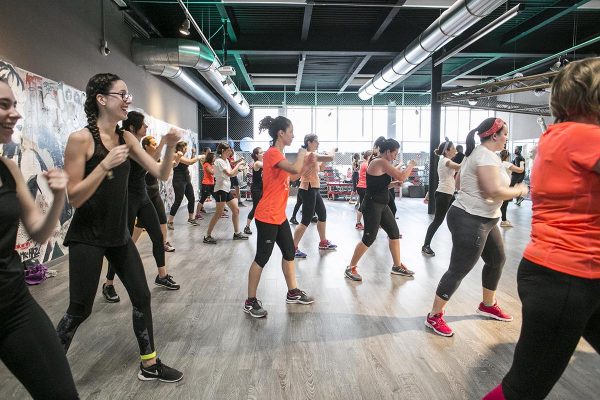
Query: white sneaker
[506, 224]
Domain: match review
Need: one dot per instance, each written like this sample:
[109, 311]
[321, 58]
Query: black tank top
[102, 220]
[377, 188]
[257, 183]
[151, 180]
[181, 172]
[11, 268]
[137, 181]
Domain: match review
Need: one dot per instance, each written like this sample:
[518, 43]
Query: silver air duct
[191, 85]
[454, 21]
[188, 53]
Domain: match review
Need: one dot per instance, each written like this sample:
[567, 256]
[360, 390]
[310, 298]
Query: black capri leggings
[207, 191]
[256, 196]
[472, 237]
[298, 204]
[267, 236]
[558, 309]
[443, 201]
[361, 197]
[182, 187]
[85, 265]
[312, 202]
[30, 349]
[375, 215]
[145, 212]
[392, 201]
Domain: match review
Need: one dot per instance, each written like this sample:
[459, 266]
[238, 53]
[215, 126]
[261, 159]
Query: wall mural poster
[51, 111]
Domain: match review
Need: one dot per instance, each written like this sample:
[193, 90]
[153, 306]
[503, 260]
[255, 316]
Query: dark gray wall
[60, 40]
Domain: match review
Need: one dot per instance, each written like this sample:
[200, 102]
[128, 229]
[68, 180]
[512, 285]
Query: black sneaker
[193, 222]
[401, 270]
[166, 282]
[209, 240]
[247, 230]
[110, 294]
[254, 308]
[426, 250]
[293, 221]
[239, 236]
[297, 296]
[159, 372]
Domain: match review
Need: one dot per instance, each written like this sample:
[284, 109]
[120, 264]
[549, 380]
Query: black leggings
[30, 349]
[312, 202]
[443, 201]
[558, 309]
[472, 237]
[514, 179]
[266, 237]
[298, 204]
[256, 196]
[392, 201]
[207, 191]
[146, 214]
[378, 215]
[182, 187]
[85, 265]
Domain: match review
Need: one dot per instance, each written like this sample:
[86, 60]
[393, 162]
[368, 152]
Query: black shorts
[234, 182]
[222, 196]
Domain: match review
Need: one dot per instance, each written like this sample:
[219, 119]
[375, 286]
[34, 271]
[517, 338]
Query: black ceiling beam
[388, 20]
[306, 22]
[549, 15]
[354, 70]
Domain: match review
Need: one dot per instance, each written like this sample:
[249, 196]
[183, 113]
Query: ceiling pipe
[191, 85]
[189, 53]
[462, 15]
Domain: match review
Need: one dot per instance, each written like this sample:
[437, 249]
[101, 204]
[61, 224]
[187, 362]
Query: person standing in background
[518, 177]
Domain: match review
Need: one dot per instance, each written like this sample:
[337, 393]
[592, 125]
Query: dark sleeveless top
[137, 182]
[102, 220]
[181, 172]
[151, 180]
[377, 188]
[11, 268]
[257, 183]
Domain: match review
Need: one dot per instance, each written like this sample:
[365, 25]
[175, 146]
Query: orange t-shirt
[565, 228]
[276, 186]
[208, 178]
[310, 177]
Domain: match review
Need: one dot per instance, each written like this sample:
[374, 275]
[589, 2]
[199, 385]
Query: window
[262, 139]
[302, 120]
[351, 136]
[326, 126]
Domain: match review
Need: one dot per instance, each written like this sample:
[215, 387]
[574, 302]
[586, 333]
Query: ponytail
[273, 126]
[443, 147]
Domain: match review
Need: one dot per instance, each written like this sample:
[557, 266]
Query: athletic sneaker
[293, 221]
[352, 274]
[297, 296]
[359, 226]
[170, 226]
[166, 282]
[239, 236]
[437, 323]
[193, 222]
[426, 250]
[299, 254]
[209, 240]
[159, 372]
[110, 294]
[494, 312]
[254, 308]
[314, 220]
[198, 216]
[169, 248]
[327, 245]
[506, 224]
[402, 270]
[247, 230]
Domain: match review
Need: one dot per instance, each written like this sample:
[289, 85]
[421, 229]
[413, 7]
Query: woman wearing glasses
[97, 161]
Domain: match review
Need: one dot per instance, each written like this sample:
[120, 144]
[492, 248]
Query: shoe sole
[146, 379]
[489, 315]
[427, 324]
[352, 278]
[166, 287]
[402, 273]
[209, 242]
[252, 315]
[298, 301]
[240, 238]
[112, 300]
[169, 251]
[323, 248]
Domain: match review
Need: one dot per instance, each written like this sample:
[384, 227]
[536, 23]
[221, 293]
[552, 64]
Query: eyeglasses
[124, 95]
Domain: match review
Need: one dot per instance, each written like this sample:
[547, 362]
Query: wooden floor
[357, 341]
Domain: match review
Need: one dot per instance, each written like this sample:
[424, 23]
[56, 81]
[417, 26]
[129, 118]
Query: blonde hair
[576, 90]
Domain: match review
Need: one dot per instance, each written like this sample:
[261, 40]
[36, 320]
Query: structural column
[434, 134]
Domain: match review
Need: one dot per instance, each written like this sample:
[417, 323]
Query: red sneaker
[437, 323]
[494, 312]
[359, 226]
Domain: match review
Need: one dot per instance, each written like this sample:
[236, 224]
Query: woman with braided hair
[97, 161]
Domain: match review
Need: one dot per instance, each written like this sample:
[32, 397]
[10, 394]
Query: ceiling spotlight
[539, 92]
[472, 102]
[517, 75]
[184, 29]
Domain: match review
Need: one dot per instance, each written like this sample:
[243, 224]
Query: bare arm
[395, 172]
[37, 226]
[326, 157]
[294, 169]
[453, 165]
[188, 161]
[162, 170]
[516, 169]
[488, 177]
[158, 151]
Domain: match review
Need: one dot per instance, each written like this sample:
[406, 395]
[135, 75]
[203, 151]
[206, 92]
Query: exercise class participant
[28, 344]
[444, 195]
[472, 220]
[361, 188]
[96, 159]
[208, 183]
[182, 185]
[509, 168]
[375, 208]
[271, 222]
[256, 188]
[559, 276]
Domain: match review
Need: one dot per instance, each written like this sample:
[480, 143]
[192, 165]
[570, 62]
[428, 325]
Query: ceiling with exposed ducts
[338, 45]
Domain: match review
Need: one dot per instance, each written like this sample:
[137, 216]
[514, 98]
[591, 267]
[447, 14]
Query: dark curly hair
[274, 125]
[98, 84]
[134, 120]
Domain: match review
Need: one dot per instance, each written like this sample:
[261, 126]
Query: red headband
[496, 126]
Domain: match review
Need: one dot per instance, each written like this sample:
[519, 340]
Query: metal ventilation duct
[188, 53]
[192, 85]
[454, 21]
